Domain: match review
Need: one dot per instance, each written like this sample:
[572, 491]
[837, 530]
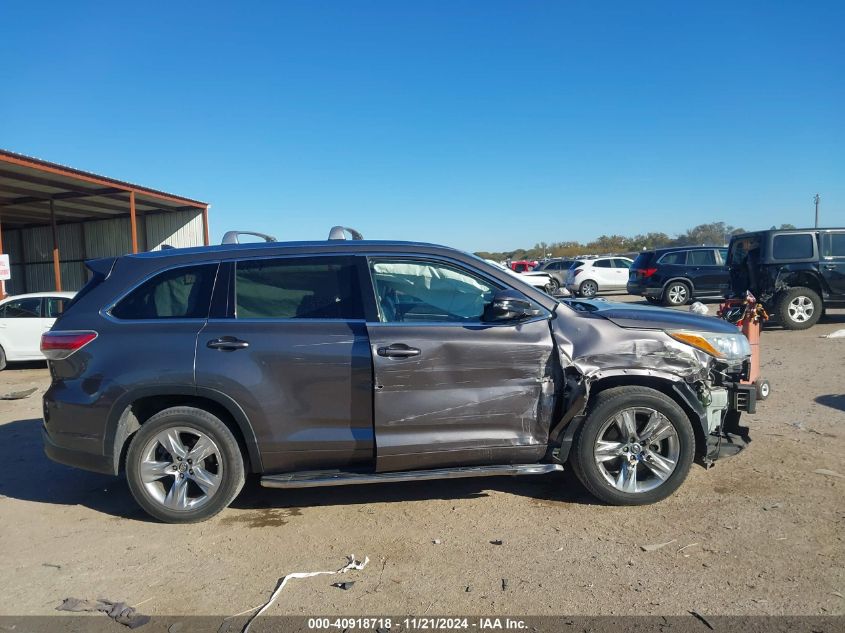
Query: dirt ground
[758, 534]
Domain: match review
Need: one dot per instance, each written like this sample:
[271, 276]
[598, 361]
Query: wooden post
[133, 221]
[57, 270]
[205, 225]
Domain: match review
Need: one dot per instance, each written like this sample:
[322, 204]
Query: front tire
[799, 308]
[2, 359]
[184, 465]
[588, 289]
[635, 447]
[553, 286]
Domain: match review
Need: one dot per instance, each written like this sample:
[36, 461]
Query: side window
[792, 246]
[621, 263]
[421, 291]
[675, 258]
[179, 293]
[22, 309]
[54, 306]
[723, 255]
[834, 245]
[298, 288]
[603, 263]
[701, 258]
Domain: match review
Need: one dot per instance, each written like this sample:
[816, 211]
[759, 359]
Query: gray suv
[352, 361]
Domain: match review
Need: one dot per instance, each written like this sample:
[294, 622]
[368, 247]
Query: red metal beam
[133, 221]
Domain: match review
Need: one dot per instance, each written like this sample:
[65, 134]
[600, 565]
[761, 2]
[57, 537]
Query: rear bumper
[75, 457]
[643, 291]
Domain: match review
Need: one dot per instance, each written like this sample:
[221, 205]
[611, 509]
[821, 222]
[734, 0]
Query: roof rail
[339, 233]
[231, 237]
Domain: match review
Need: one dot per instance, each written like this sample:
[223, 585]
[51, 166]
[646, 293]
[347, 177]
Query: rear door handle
[398, 350]
[227, 343]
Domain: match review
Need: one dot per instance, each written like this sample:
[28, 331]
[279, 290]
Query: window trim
[106, 311]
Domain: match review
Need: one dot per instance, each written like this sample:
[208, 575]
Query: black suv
[797, 273]
[352, 361]
[674, 276]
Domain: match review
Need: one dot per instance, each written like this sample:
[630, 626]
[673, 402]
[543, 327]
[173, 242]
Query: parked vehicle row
[349, 362]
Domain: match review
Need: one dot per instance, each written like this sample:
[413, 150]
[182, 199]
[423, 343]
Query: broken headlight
[730, 347]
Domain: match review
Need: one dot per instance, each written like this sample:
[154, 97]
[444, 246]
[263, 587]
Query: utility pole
[816, 199]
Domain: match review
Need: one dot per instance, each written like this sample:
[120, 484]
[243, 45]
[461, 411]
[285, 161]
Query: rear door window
[792, 246]
[54, 306]
[298, 288]
[178, 293]
[833, 245]
[701, 258]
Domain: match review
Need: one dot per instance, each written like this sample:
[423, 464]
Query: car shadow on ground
[834, 401]
[30, 476]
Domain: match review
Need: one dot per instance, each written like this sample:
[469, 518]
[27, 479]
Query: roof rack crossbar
[339, 233]
[232, 237]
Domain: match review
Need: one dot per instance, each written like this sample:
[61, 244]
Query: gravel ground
[758, 534]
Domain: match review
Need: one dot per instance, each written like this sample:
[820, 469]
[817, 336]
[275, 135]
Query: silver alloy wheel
[678, 294]
[637, 449]
[801, 309]
[589, 288]
[181, 468]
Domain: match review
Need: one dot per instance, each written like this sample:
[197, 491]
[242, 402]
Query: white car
[540, 280]
[587, 277]
[23, 319]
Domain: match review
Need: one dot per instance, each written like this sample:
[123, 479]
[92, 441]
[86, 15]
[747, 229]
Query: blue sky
[482, 125]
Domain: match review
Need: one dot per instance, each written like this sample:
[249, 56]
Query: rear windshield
[643, 260]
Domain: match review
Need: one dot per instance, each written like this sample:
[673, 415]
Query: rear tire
[554, 286]
[184, 465]
[799, 308]
[646, 466]
[2, 359]
[588, 289]
[676, 294]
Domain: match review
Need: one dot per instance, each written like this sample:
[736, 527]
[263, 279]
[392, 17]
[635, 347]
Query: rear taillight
[646, 272]
[60, 345]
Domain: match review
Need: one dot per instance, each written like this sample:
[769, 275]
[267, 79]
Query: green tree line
[714, 233]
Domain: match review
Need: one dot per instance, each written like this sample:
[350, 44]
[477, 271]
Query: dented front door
[450, 390]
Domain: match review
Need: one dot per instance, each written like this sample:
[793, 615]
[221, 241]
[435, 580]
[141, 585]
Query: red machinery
[748, 315]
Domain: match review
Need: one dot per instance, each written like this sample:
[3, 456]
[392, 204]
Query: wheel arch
[686, 280]
[136, 407]
[678, 390]
[787, 280]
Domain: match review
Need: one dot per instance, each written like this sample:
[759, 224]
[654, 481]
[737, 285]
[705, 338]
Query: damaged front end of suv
[696, 362]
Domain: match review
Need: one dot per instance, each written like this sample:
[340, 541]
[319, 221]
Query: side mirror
[507, 305]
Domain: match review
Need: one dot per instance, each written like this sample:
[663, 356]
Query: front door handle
[398, 350]
[227, 343]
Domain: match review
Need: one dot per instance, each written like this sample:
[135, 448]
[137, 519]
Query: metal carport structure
[54, 217]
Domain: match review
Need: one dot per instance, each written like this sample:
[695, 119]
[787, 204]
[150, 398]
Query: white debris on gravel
[835, 334]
